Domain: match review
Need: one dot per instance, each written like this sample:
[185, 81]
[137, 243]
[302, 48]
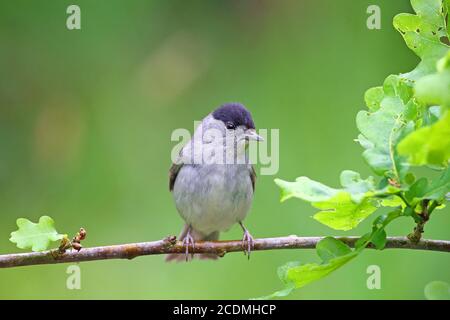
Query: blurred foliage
[86, 118]
[437, 290]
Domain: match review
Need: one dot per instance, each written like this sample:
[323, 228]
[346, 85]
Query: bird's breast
[213, 197]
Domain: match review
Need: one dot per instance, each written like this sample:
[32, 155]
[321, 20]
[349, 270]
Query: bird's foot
[189, 241]
[247, 243]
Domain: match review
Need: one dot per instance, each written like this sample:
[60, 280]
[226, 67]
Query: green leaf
[334, 254]
[362, 241]
[278, 294]
[307, 273]
[428, 145]
[383, 220]
[378, 235]
[393, 201]
[437, 290]
[379, 238]
[416, 191]
[382, 128]
[306, 189]
[36, 236]
[439, 188]
[394, 113]
[423, 189]
[410, 178]
[289, 286]
[373, 98]
[434, 89]
[341, 209]
[341, 213]
[407, 123]
[329, 248]
[425, 33]
[357, 188]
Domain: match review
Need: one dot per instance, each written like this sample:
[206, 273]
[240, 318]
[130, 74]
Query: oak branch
[171, 245]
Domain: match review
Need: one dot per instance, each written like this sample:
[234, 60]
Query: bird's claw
[189, 241]
[247, 243]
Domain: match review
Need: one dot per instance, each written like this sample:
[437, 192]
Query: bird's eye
[230, 125]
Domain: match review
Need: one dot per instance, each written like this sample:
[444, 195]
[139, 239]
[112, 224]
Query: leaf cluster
[406, 125]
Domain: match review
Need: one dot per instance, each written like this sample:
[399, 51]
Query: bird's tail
[198, 236]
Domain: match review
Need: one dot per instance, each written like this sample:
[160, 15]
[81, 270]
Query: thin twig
[423, 217]
[171, 245]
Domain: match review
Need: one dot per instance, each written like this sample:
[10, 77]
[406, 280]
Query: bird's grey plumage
[211, 197]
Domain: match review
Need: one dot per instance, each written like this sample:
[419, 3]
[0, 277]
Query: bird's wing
[184, 156]
[253, 176]
[173, 172]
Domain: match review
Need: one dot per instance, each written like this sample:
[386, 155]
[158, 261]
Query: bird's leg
[247, 241]
[189, 240]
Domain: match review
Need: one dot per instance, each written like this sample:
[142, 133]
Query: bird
[212, 180]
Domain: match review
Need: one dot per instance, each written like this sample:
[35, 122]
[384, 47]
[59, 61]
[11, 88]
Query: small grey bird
[212, 181]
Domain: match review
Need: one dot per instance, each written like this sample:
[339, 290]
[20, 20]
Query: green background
[86, 118]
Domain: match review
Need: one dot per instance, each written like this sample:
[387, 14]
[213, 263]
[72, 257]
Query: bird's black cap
[235, 113]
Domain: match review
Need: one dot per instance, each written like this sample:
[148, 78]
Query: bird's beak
[251, 134]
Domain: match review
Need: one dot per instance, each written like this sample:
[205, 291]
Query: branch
[171, 245]
[423, 217]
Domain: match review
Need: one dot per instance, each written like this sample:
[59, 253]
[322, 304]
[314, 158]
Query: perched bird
[212, 181]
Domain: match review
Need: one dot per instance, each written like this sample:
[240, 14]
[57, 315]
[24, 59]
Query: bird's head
[225, 131]
[234, 120]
